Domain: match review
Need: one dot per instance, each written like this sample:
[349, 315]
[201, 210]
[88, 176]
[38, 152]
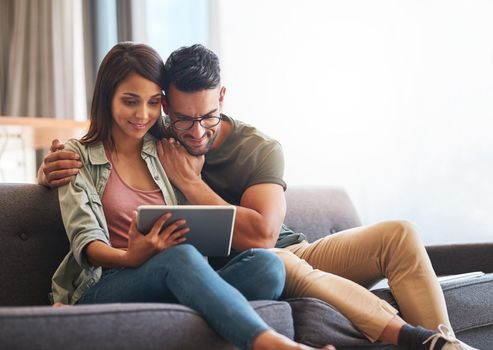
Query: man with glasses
[214, 159]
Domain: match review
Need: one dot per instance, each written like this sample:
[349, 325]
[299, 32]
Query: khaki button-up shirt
[83, 217]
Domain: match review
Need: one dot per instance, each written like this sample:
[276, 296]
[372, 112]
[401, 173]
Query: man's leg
[257, 273]
[389, 249]
[366, 311]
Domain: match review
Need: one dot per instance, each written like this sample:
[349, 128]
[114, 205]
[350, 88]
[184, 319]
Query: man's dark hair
[191, 69]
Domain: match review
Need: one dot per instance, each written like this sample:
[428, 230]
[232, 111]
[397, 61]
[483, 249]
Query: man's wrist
[191, 185]
[198, 192]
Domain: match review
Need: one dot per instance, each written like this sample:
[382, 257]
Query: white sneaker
[452, 342]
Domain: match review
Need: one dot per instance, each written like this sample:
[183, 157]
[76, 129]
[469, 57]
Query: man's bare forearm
[251, 230]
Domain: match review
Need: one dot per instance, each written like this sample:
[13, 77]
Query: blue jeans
[181, 274]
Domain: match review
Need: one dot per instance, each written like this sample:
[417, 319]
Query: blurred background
[392, 100]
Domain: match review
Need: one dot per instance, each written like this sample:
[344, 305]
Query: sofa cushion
[317, 323]
[318, 211]
[472, 297]
[123, 326]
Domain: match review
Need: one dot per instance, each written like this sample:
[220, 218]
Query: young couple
[206, 157]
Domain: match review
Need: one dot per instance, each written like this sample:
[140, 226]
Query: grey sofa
[33, 242]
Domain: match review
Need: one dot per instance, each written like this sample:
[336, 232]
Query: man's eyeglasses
[206, 122]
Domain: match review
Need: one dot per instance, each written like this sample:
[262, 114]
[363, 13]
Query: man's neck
[224, 132]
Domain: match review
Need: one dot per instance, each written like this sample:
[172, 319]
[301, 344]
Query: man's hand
[58, 166]
[181, 167]
[262, 207]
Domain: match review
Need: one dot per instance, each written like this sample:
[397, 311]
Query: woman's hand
[143, 247]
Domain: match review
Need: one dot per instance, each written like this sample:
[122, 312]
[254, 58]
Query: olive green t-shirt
[247, 157]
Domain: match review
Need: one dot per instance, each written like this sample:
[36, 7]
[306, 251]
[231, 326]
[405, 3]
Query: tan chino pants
[339, 268]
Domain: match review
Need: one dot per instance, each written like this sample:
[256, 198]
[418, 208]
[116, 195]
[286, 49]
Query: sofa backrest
[318, 211]
[32, 243]
[33, 240]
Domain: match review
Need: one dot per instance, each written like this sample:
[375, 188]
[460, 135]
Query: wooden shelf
[44, 130]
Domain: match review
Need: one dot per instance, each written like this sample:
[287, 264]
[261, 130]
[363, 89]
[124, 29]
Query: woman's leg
[257, 273]
[181, 272]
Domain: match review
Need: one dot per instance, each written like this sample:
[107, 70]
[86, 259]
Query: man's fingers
[58, 183]
[160, 149]
[62, 165]
[61, 174]
[170, 144]
[56, 145]
[62, 155]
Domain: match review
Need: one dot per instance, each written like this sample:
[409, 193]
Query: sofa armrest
[453, 259]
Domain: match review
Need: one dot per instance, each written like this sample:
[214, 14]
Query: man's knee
[390, 230]
[401, 237]
[288, 258]
[403, 232]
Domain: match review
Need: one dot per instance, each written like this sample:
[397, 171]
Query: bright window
[168, 25]
[391, 99]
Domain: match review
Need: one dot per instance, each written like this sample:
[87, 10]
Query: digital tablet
[211, 226]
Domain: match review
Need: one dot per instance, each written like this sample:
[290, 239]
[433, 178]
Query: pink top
[119, 201]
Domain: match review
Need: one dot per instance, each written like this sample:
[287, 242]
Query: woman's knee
[269, 261]
[182, 254]
[272, 269]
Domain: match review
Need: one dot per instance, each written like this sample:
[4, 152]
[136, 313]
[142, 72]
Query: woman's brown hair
[123, 59]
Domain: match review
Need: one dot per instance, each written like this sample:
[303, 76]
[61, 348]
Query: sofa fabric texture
[33, 242]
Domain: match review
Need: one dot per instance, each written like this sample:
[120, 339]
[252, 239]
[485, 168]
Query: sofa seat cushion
[317, 323]
[471, 296]
[123, 326]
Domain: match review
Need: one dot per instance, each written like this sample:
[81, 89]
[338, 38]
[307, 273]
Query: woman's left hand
[142, 247]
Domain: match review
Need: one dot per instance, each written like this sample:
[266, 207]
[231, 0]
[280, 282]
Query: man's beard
[196, 152]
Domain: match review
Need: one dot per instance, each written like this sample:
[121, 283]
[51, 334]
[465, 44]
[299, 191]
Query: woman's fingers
[173, 234]
[165, 234]
[178, 235]
[132, 231]
[172, 227]
[158, 225]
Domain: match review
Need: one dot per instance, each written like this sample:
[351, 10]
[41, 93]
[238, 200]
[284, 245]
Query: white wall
[391, 99]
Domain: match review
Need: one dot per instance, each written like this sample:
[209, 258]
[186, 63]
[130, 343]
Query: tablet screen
[211, 226]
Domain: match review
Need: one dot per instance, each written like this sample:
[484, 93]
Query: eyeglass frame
[198, 120]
